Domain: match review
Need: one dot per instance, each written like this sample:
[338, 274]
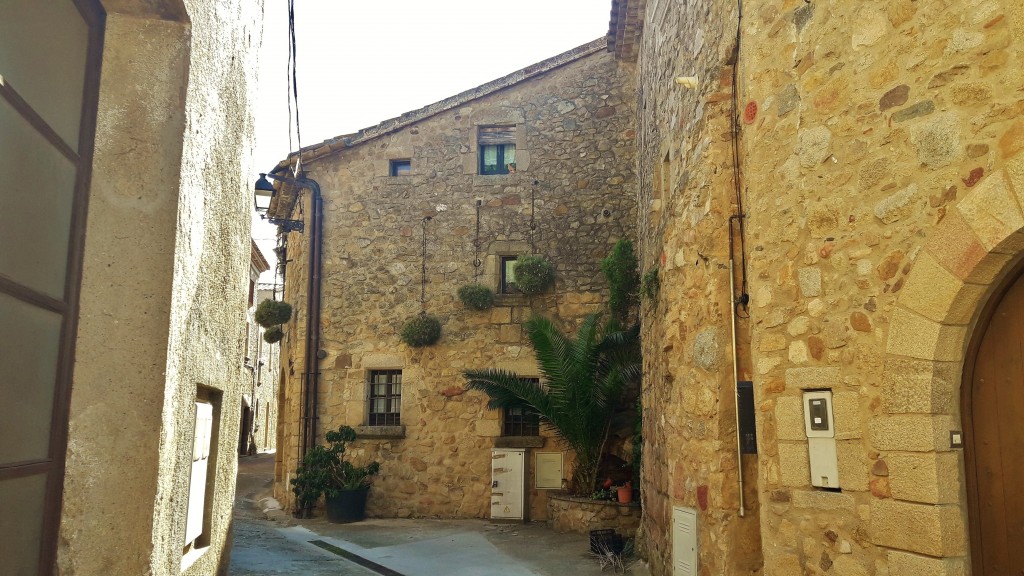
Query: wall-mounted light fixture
[264, 193]
[688, 82]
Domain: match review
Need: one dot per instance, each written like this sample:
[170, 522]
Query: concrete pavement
[396, 547]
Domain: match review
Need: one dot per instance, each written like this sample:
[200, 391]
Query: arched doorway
[993, 408]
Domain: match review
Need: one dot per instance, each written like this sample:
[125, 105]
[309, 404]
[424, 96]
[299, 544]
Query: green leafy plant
[325, 471]
[272, 313]
[585, 378]
[621, 269]
[650, 283]
[476, 296]
[422, 330]
[273, 335]
[534, 274]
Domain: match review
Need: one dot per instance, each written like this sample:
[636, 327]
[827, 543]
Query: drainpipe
[736, 381]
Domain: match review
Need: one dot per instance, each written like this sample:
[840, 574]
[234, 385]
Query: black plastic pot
[348, 506]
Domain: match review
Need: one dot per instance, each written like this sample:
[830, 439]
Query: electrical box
[549, 471]
[821, 438]
[684, 541]
[748, 420]
[508, 483]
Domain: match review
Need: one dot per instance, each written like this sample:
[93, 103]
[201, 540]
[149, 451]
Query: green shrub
[423, 330]
[476, 296]
[273, 335]
[620, 268]
[534, 274]
[650, 283]
[272, 313]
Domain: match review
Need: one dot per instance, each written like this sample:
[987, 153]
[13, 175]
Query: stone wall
[571, 198]
[686, 198]
[163, 291]
[880, 147]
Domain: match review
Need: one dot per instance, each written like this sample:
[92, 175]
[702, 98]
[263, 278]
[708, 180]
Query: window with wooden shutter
[497, 149]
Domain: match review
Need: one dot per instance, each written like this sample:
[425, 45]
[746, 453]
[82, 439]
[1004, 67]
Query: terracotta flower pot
[625, 494]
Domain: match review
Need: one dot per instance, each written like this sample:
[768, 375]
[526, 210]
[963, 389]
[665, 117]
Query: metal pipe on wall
[736, 381]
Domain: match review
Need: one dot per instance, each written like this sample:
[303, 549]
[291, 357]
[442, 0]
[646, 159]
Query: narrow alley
[271, 542]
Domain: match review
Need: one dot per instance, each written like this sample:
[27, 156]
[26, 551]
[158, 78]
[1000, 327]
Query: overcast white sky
[364, 61]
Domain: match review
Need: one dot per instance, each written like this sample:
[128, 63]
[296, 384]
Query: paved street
[394, 547]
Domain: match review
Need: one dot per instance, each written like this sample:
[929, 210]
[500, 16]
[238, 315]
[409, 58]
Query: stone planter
[581, 515]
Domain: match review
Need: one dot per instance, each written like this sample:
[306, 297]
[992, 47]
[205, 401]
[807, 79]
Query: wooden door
[994, 418]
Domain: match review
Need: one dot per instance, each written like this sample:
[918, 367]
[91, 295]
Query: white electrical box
[821, 439]
[508, 483]
[684, 541]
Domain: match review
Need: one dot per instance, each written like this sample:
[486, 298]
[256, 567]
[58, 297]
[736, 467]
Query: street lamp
[264, 193]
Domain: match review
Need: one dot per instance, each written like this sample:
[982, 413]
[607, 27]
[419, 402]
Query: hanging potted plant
[534, 274]
[476, 296]
[272, 313]
[325, 471]
[273, 335]
[422, 330]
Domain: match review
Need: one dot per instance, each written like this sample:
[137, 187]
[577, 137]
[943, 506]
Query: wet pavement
[394, 547]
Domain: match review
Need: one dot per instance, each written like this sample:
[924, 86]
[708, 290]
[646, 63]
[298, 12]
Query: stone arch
[963, 262]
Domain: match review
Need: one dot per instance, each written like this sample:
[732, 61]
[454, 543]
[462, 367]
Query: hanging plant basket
[272, 313]
[273, 335]
[422, 330]
[534, 274]
[476, 296]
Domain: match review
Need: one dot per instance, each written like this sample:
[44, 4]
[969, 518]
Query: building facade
[127, 129]
[258, 422]
[538, 162]
[858, 168]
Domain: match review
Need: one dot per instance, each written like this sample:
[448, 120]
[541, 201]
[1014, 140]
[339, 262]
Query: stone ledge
[373, 432]
[519, 442]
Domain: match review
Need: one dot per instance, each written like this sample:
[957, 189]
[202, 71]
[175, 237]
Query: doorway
[993, 408]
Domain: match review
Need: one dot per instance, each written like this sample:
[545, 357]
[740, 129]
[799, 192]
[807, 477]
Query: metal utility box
[821, 438]
[684, 541]
[508, 483]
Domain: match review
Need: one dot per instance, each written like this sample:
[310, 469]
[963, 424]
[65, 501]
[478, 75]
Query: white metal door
[200, 464]
[684, 542]
[508, 479]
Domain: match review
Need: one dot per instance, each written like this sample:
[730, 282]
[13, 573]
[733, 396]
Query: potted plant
[534, 274]
[325, 471]
[625, 493]
[421, 330]
[476, 296]
[272, 313]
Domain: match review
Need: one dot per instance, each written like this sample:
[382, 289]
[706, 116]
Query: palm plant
[584, 377]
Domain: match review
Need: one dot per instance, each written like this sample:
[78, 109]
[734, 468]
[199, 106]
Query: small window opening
[401, 167]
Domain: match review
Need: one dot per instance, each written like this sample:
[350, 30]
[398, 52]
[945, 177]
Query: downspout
[736, 380]
[313, 318]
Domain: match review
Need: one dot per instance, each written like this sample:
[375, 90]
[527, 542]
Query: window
[517, 422]
[401, 167]
[497, 146]
[385, 398]
[508, 275]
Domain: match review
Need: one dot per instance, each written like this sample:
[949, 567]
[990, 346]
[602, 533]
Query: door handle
[494, 484]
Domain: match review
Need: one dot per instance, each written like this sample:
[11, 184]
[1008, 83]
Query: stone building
[861, 166]
[540, 161]
[125, 231]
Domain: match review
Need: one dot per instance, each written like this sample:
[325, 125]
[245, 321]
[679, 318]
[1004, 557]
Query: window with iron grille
[385, 398]
[517, 422]
[497, 148]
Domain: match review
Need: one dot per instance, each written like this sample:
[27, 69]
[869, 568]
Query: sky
[363, 61]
